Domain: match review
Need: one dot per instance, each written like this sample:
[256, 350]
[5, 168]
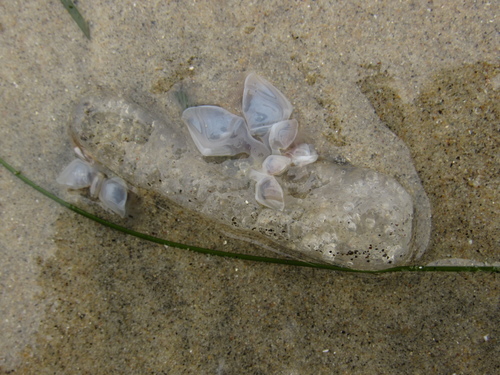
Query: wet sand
[80, 298]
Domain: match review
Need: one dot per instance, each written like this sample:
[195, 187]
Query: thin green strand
[202, 250]
[77, 17]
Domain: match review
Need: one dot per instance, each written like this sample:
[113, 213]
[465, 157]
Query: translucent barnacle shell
[276, 164]
[113, 195]
[282, 134]
[76, 175]
[263, 105]
[80, 174]
[268, 191]
[217, 132]
[303, 154]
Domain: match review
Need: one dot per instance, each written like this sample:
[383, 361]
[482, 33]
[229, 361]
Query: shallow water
[77, 297]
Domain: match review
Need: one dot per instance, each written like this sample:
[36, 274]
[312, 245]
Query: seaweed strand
[77, 17]
[202, 250]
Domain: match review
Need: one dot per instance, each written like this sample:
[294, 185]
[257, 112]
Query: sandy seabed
[80, 298]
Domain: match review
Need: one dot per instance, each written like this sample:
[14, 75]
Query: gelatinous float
[249, 174]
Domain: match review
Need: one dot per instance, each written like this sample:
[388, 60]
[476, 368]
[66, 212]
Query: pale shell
[282, 134]
[276, 164]
[263, 105]
[217, 132]
[113, 195]
[112, 192]
[303, 154]
[268, 191]
[77, 175]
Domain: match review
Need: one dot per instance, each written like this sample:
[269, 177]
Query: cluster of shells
[266, 132]
[300, 205]
[83, 173]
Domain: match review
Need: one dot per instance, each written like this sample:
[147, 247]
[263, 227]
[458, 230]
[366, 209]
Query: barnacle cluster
[301, 205]
[266, 133]
[83, 173]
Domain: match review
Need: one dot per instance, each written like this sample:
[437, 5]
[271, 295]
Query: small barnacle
[263, 105]
[268, 191]
[217, 132]
[76, 175]
[113, 195]
[303, 154]
[112, 192]
[276, 165]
